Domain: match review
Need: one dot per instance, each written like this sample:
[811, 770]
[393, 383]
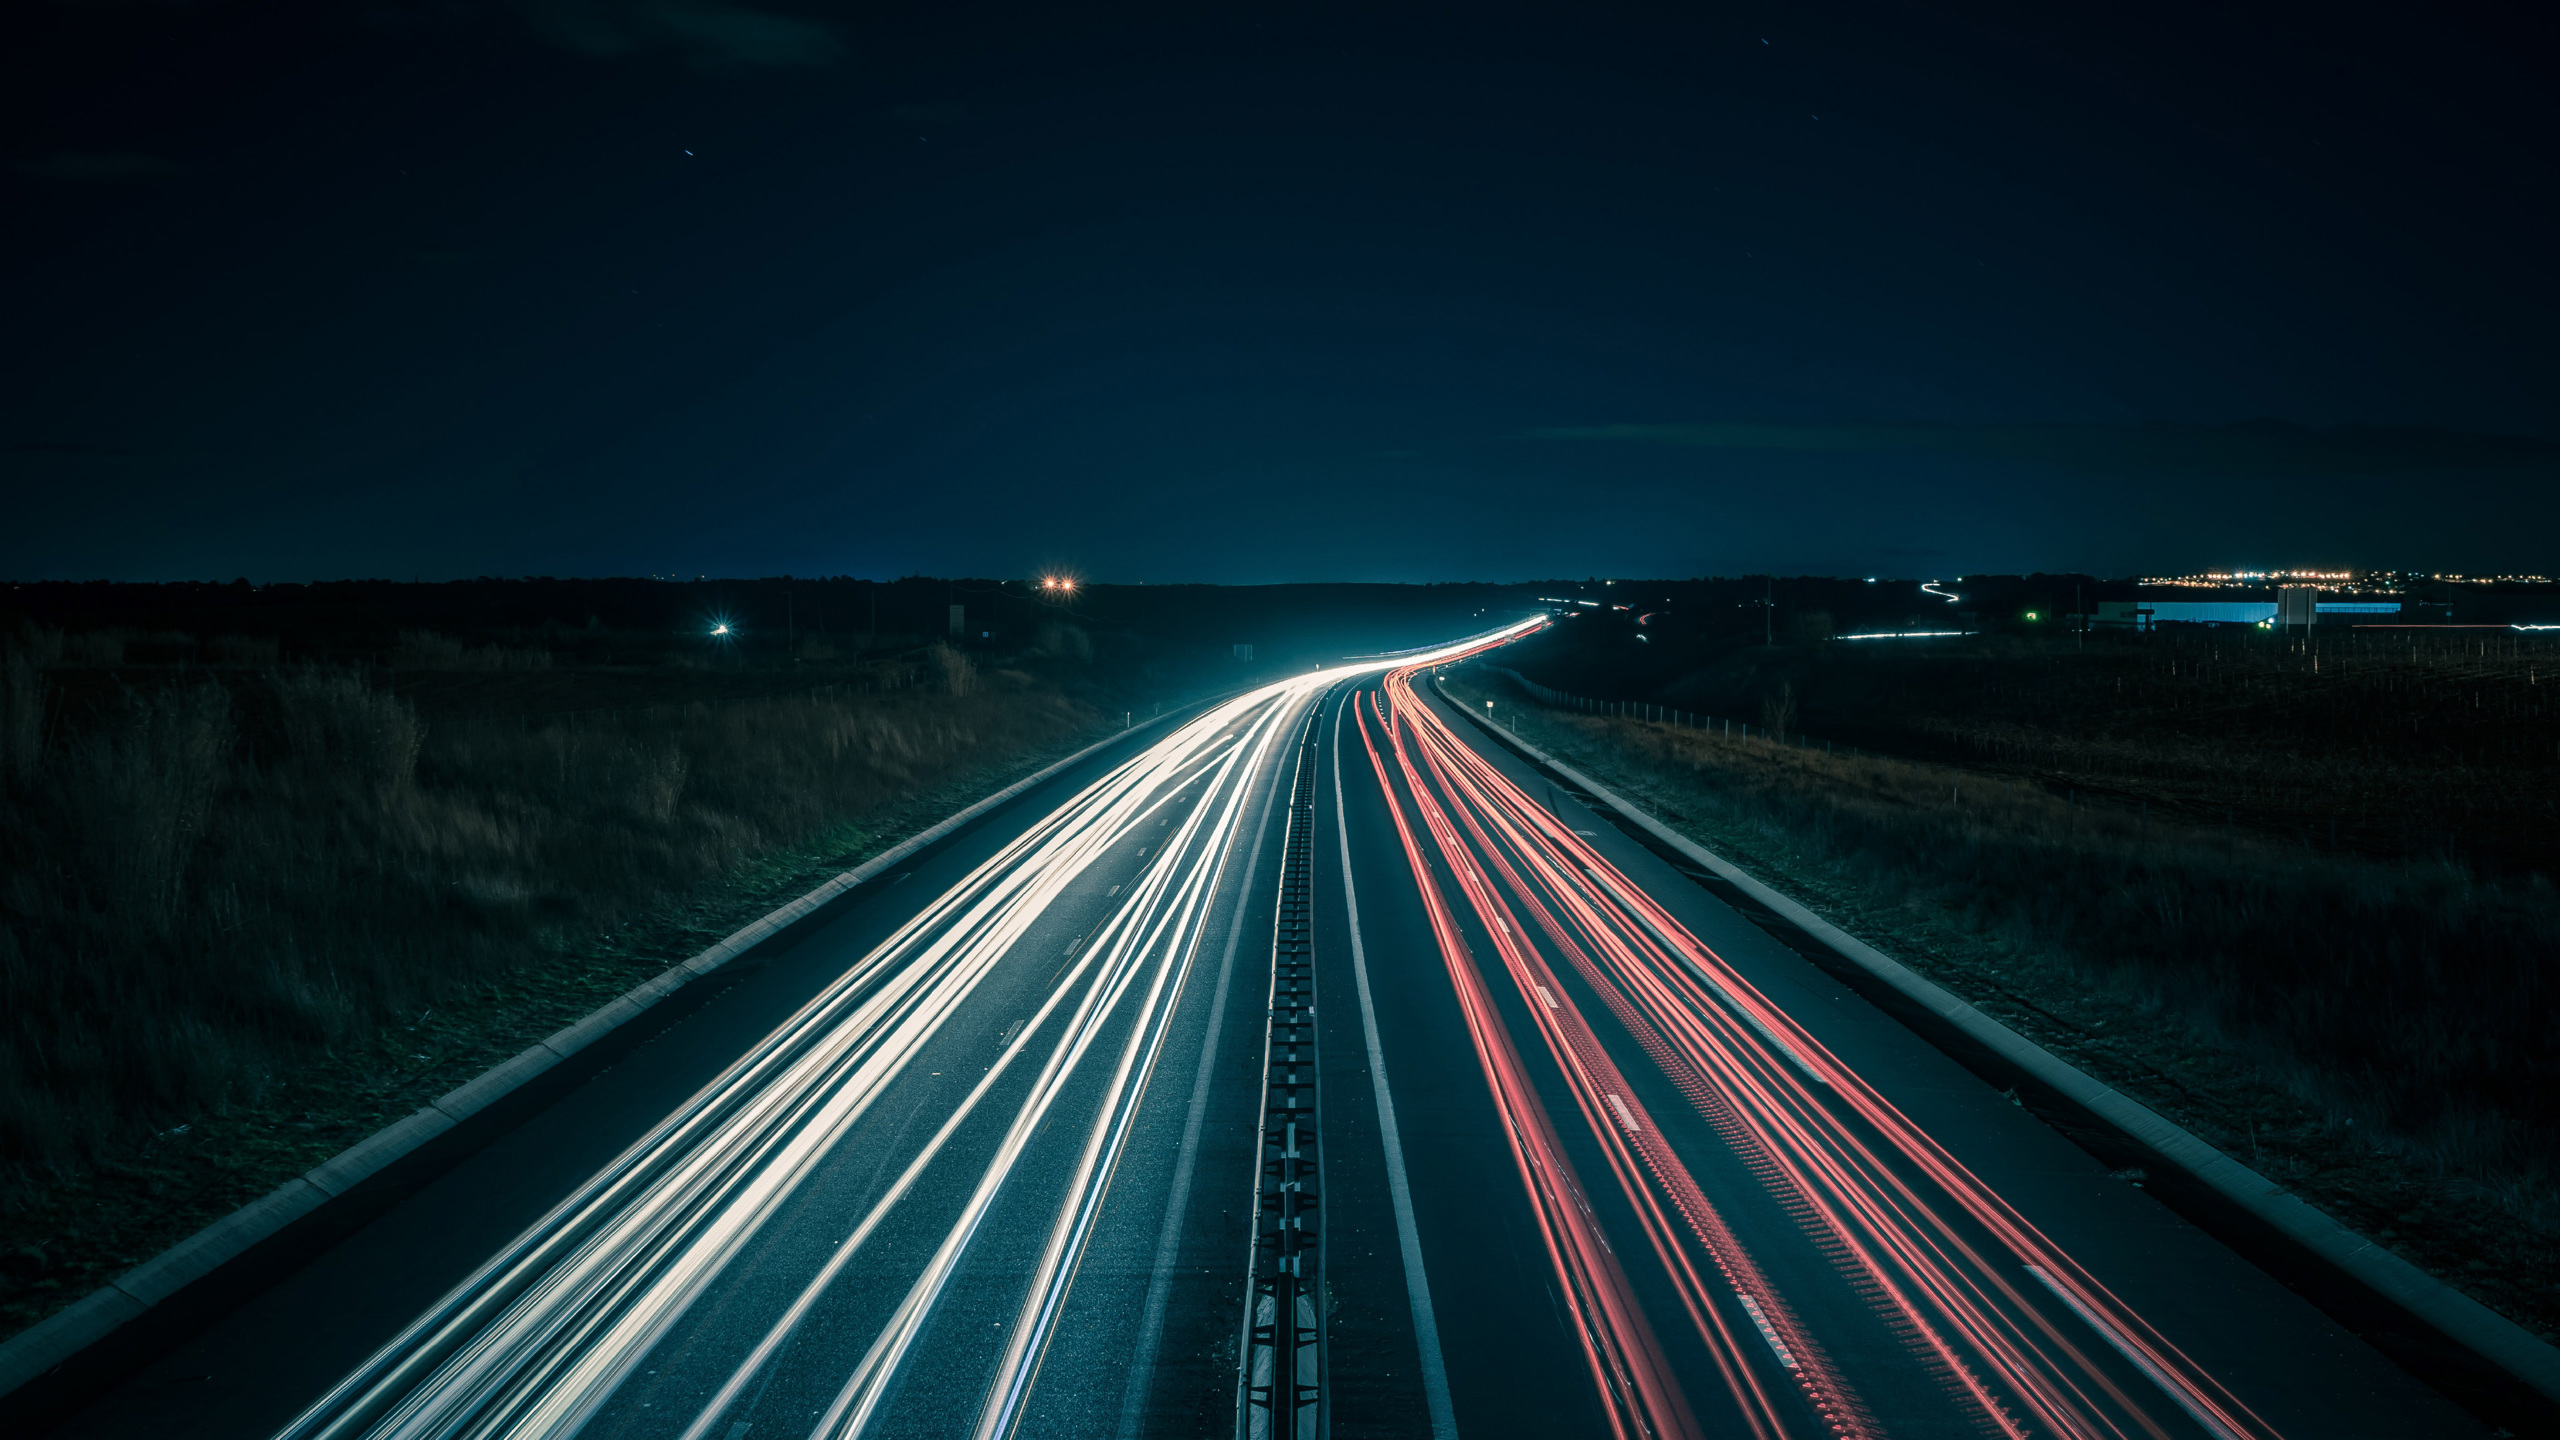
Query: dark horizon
[799, 287]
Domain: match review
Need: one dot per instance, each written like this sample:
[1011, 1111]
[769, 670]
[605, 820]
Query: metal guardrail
[1283, 1353]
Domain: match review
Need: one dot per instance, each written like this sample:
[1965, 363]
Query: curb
[58, 1337]
[2453, 1314]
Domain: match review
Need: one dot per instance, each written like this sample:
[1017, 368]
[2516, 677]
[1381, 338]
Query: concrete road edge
[58, 1337]
[2457, 1316]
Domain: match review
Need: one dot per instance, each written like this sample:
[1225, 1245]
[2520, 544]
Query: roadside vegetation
[251, 910]
[2394, 744]
[2381, 1031]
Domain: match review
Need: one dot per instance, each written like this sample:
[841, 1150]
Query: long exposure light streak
[1641, 1397]
[539, 1339]
[1968, 1285]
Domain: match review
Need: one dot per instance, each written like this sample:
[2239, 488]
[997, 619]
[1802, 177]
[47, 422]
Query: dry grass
[212, 882]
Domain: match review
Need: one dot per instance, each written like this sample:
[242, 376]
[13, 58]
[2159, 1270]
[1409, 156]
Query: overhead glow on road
[1898, 634]
[1609, 1037]
[539, 1341]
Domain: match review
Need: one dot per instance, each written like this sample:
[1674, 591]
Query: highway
[1316, 1004]
[1669, 1180]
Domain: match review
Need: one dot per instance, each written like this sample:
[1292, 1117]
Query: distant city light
[2252, 577]
[2031, 615]
[719, 629]
[2350, 582]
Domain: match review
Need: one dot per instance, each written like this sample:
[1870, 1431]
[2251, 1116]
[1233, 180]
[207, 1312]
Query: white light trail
[536, 1342]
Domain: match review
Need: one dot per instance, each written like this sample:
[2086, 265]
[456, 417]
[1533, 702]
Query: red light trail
[2019, 1338]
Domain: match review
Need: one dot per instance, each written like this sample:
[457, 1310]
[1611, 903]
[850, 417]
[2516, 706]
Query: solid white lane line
[789, 1324]
[1426, 1327]
[1169, 1238]
[1106, 1143]
[2212, 1425]
[865, 1390]
[543, 1333]
[522, 1355]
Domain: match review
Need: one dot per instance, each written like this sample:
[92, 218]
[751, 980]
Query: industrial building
[2146, 614]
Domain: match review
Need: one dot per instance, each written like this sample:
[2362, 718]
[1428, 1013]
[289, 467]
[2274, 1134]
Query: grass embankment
[2380, 1037]
[2395, 745]
[252, 914]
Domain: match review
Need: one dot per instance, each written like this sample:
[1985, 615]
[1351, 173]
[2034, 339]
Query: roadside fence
[1727, 727]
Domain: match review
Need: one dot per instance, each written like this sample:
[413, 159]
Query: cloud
[110, 167]
[2257, 449]
[704, 29]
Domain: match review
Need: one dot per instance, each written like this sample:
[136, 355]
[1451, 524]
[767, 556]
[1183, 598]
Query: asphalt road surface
[987, 1153]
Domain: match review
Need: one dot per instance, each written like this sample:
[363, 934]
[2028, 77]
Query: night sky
[1245, 294]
